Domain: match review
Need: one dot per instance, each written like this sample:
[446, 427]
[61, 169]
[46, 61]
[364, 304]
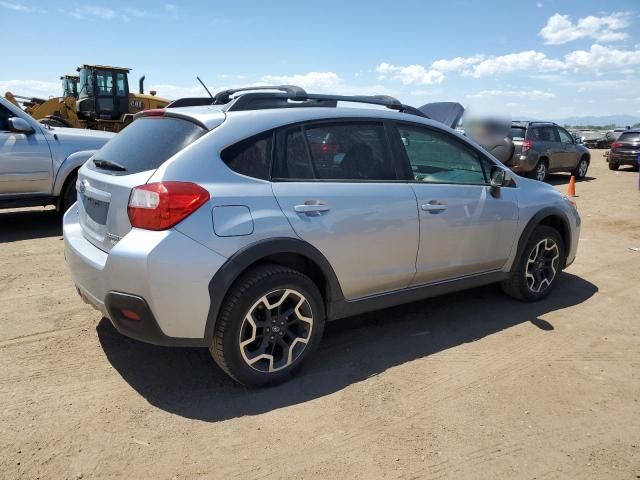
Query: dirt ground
[471, 385]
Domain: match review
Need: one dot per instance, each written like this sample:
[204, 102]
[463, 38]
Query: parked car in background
[619, 131]
[245, 225]
[625, 150]
[540, 148]
[39, 163]
[598, 138]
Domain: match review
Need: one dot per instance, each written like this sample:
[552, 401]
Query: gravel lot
[471, 385]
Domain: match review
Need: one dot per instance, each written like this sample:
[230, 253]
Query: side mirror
[578, 140]
[20, 125]
[498, 178]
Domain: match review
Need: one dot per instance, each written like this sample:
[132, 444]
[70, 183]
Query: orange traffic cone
[571, 192]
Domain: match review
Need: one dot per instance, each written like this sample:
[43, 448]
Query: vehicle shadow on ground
[18, 225]
[188, 383]
[556, 179]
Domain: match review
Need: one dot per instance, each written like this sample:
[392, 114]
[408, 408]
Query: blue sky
[551, 58]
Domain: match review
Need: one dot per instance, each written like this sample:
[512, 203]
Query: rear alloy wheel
[581, 170]
[540, 172]
[535, 274]
[270, 322]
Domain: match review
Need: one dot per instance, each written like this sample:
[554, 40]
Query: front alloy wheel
[276, 330]
[542, 265]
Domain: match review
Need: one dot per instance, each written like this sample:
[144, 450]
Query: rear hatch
[127, 161]
[628, 144]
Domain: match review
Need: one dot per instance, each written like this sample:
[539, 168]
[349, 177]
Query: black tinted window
[296, 164]
[545, 134]
[348, 151]
[629, 137]
[148, 142]
[517, 132]
[436, 158]
[5, 115]
[251, 157]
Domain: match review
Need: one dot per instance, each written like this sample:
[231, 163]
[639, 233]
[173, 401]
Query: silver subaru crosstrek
[246, 221]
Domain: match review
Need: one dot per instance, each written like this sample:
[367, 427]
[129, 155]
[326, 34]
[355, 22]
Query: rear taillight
[158, 206]
[616, 145]
[527, 145]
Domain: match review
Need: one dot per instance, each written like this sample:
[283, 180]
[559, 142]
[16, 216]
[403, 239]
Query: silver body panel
[38, 163]
[375, 236]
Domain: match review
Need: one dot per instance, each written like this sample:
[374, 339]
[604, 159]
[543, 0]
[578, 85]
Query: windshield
[86, 88]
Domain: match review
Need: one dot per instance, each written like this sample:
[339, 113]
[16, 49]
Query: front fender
[70, 164]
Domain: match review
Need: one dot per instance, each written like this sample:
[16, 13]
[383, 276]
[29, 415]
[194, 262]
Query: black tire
[581, 169]
[517, 286]
[69, 193]
[541, 171]
[245, 297]
[613, 165]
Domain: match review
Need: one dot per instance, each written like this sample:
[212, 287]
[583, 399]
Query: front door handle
[434, 207]
[312, 207]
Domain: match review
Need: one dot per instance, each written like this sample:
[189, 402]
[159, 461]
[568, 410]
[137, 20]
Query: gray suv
[246, 224]
[540, 148]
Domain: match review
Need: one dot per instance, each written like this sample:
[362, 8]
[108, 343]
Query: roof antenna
[205, 87]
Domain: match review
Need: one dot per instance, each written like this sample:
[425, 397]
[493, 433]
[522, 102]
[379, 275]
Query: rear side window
[544, 134]
[629, 137]
[251, 157]
[350, 151]
[148, 142]
[517, 132]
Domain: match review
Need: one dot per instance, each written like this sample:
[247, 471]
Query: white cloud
[324, 82]
[410, 74]
[31, 88]
[103, 13]
[512, 93]
[18, 7]
[607, 28]
[539, 5]
[514, 62]
[600, 59]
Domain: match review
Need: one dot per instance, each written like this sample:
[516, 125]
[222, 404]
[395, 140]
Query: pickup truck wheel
[536, 272]
[69, 194]
[271, 320]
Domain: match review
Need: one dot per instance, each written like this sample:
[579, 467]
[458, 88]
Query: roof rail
[288, 96]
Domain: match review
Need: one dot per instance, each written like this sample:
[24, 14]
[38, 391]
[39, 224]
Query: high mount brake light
[154, 112]
[159, 206]
[527, 145]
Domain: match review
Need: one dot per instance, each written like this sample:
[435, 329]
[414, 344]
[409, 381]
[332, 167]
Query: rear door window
[147, 143]
[349, 151]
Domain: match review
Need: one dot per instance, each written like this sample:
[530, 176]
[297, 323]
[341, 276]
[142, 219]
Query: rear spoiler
[449, 113]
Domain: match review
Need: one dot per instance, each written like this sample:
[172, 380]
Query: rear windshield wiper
[109, 165]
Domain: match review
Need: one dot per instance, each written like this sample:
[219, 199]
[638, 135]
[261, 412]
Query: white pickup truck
[39, 163]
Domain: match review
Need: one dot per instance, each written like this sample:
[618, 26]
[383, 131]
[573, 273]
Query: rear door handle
[433, 207]
[312, 208]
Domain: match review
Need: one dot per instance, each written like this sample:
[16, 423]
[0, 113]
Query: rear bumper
[523, 163]
[624, 158]
[166, 271]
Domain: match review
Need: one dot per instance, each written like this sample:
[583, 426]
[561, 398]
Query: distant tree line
[610, 126]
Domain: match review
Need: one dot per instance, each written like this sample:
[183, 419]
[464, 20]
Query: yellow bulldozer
[98, 98]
